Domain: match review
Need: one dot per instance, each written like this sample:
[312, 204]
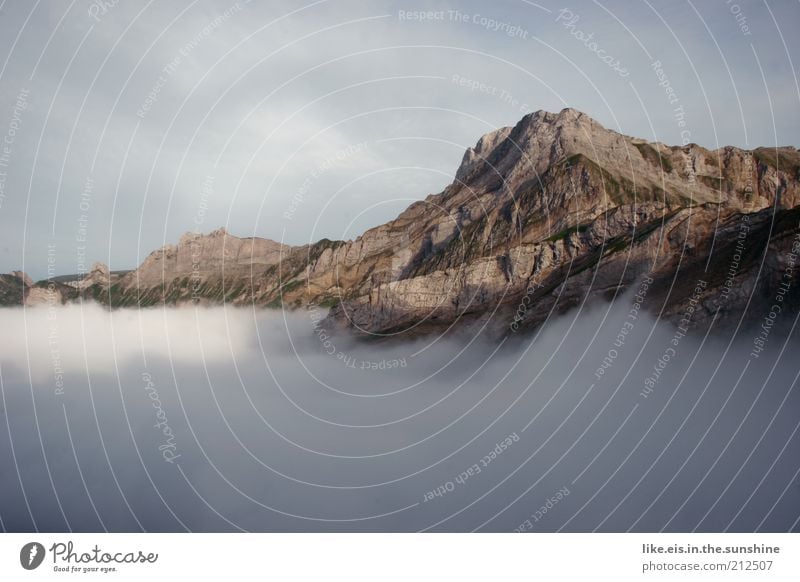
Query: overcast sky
[128, 125]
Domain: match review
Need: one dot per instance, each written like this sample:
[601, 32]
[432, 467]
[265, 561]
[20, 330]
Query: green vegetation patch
[291, 286]
[653, 156]
[781, 159]
[619, 189]
[330, 302]
[714, 182]
[568, 231]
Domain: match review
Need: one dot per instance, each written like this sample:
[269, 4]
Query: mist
[241, 419]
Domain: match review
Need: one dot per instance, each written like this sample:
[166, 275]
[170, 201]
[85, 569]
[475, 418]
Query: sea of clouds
[228, 419]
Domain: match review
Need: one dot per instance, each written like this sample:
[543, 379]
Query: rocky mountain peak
[537, 141]
[194, 236]
[564, 118]
[98, 275]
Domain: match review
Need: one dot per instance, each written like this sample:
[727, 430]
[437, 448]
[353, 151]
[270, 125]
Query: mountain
[540, 216]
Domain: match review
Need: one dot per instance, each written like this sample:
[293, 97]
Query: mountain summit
[540, 216]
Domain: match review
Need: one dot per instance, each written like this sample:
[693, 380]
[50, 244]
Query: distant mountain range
[540, 216]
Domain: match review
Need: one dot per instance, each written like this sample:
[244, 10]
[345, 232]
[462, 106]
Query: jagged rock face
[549, 211]
[44, 295]
[17, 288]
[564, 207]
[204, 256]
[200, 268]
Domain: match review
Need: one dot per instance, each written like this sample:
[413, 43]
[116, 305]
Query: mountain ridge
[557, 203]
